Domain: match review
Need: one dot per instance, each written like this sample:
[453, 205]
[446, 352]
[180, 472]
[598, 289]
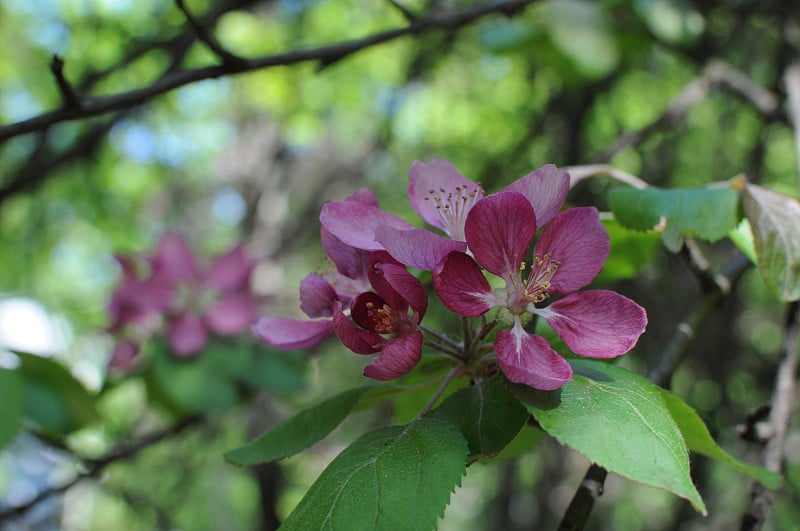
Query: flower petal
[231, 271]
[417, 248]
[596, 323]
[316, 296]
[442, 196]
[406, 285]
[499, 231]
[528, 359]
[578, 240]
[357, 340]
[461, 286]
[365, 196]
[354, 223]
[349, 261]
[187, 335]
[545, 188]
[173, 259]
[397, 358]
[232, 314]
[292, 334]
[125, 356]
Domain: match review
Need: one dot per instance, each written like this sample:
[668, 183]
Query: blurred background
[681, 93]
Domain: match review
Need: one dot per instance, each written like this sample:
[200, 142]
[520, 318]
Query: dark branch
[324, 55]
[208, 38]
[69, 97]
[93, 467]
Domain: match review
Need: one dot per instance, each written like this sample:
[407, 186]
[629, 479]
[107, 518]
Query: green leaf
[699, 440]
[55, 401]
[11, 406]
[620, 421]
[775, 219]
[299, 432]
[703, 213]
[630, 250]
[397, 478]
[742, 237]
[487, 413]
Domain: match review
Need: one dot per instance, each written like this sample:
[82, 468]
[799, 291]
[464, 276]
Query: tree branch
[323, 56]
[93, 467]
[207, 37]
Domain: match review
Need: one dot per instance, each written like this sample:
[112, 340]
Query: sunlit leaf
[620, 421]
[742, 237]
[775, 219]
[299, 432]
[630, 250]
[397, 478]
[487, 413]
[11, 406]
[700, 213]
[699, 440]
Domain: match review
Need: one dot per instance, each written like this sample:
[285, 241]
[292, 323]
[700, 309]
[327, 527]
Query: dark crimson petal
[407, 286]
[545, 188]
[597, 323]
[578, 240]
[397, 358]
[357, 340]
[232, 314]
[349, 261]
[316, 296]
[528, 359]
[363, 311]
[499, 229]
[354, 223]
[461, 286]
[187, 335]
[417, 248]
[380, 285]
[292, 334]
[231, 271]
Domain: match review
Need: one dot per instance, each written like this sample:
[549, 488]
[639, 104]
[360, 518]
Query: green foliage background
[254, 156]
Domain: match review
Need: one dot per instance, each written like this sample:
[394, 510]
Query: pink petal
[442, 196]
[231, 271]
[187, 335]
[354, 223]
[232, 314]
[417, 248]
[545, 188]
[349, 261]
[125, 356]
[173, 259]
[316, 296]
[499, 231]
[357, 340]
[407, 286]
[578, 240]
[397, 358]
[528, 359]
[292, 334]
[597, 323]
[365, 196]
[461, 286]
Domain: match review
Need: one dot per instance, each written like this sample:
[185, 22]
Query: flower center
[384, 319]
[453, 207]
[539, 278]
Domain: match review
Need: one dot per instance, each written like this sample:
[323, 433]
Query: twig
[579, 173]
[207, 37]
[438, 393]
[408, 15]
[93, 467]
[577, 514]
[324, 56]
[69, 97]
[783, 395]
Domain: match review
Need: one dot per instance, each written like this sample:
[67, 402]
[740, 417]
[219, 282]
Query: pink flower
[568, 254]
[214, 300]
[319, 293]
[385, 320]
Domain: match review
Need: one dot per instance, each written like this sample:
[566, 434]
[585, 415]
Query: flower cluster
[373, 304]
[171, 287]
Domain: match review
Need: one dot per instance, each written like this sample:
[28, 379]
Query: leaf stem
[438, 393]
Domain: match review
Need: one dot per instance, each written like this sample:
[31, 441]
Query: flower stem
[436, 395]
